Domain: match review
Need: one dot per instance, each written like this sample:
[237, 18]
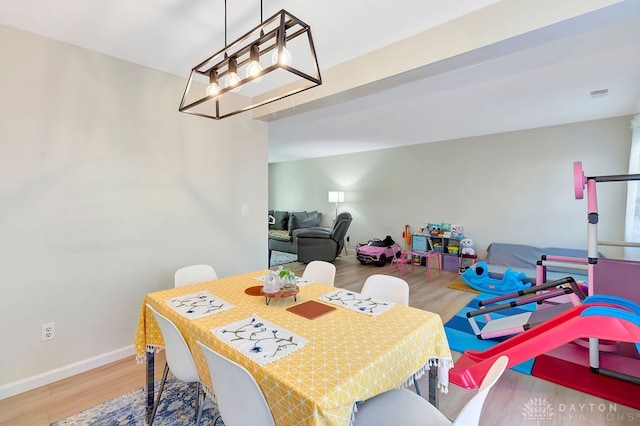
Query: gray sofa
[524, 258]
[283, 232]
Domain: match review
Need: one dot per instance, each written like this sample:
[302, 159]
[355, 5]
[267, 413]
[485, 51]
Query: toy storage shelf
[450, 248]
[445, 238]
[450, 262]
[446, 245]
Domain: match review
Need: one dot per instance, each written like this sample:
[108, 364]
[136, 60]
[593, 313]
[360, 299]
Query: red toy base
[581, 378]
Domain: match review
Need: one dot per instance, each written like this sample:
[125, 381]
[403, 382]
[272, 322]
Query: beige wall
[514, 187]
[105, 190]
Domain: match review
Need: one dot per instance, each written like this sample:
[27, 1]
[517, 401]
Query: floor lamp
[336, 197]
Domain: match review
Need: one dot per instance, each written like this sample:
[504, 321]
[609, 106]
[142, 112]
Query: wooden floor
[504, 406]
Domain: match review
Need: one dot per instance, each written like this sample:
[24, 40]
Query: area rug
[462, 286]
[176, 408]
[461, 336]
[280, 258]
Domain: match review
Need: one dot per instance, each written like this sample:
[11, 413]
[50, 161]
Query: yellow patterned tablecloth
[349, 356]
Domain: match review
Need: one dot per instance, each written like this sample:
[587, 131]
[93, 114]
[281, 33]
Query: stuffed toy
[466, 246]
[456, 232]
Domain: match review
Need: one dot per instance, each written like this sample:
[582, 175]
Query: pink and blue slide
[602, 317]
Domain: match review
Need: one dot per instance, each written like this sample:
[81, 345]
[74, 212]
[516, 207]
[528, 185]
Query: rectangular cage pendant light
[274, 60]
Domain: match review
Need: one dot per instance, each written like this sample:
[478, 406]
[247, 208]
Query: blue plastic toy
[477, 276]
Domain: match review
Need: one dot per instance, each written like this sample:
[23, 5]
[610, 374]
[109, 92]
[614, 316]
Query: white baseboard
[14, 388]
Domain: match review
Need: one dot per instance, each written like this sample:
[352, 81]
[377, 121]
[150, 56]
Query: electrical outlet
[48, 331]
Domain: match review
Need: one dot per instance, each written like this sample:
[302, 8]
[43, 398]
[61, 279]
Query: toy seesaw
[477, 276]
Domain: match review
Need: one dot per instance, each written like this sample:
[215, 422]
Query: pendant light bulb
[213, 88]
[254, 66]
[232, 79]
[281, 57]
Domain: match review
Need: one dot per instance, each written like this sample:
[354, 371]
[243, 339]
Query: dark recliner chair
[323, 244]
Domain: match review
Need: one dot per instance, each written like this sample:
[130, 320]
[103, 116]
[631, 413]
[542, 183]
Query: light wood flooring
[504, 406]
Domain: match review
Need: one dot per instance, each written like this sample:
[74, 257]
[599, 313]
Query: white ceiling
[539, 84]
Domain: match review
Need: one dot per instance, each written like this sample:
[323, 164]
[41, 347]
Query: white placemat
[357, 302]
[260, 340]
[198, 305]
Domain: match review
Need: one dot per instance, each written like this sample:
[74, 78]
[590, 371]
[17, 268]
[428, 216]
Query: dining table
[315, 356]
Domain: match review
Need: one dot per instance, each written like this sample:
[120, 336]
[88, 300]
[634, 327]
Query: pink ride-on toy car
[378, 251]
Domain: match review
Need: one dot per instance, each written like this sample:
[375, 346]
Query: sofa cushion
[282, 220]
[315, 232]
[279, 234]
[303, 220]
[513, 255]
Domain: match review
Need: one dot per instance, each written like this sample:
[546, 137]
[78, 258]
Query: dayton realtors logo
[537, 409]
[540, 410]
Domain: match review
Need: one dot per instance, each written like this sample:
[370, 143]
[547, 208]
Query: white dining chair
[387, 287]
[403, 407]
[194, 274]
[319, 271]
[391, 289]
[179, 361]
[239, 398]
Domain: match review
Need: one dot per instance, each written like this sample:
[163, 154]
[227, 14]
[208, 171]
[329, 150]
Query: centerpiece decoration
[287, 279]
[279, 284]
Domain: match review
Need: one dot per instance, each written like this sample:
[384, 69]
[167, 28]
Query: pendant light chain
[261, 19]
[225, 23]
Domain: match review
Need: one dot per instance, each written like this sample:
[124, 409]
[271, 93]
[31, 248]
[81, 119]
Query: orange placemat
[254, 291]
[311, 309]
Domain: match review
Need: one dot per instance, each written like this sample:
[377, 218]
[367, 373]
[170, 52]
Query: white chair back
[387, 287]
[194, 274]
[403, 407]
[319, 271]
[178, 355]
[470, 414]
[239, 398]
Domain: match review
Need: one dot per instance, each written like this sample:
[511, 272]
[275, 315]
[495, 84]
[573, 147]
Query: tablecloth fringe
[210, 394]
[141, 358]
[354, 410]
[443, 373]
[443, 380]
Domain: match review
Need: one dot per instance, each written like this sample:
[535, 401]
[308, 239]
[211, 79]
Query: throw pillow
[303, 220]
[282, 220]
[290, 227]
